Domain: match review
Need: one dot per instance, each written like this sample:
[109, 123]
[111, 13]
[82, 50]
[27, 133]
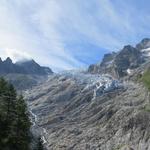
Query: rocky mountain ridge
[24, 67]
[99, 111]
[120, 63]
[24, 74]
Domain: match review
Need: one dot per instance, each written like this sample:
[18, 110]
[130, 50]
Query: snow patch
[129, 71]
[44, 140]
[146, 52]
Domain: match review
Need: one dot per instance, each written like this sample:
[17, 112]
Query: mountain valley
[105, 108]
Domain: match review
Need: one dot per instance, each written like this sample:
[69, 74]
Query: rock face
[27, 67]
[105, 66]
[7, 66]
[144, 44]
[80, 111]
[128, 58]
[23, 75]
[90, 112]
[24, 81]
[31, 67]
[118, 63]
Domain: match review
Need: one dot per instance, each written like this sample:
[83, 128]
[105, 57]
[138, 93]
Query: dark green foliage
[39, 144]
[147, 108]
[14, 120]
[146, 79]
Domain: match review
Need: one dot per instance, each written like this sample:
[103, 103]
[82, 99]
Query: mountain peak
[1, 60]
[24, 67]
[144, 44]
[8, 60]
[128, 47]
[127, 58]
[145, 40]
[32, 67]
[25, 62]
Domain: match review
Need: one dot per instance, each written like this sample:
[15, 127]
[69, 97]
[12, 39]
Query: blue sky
[68, 34]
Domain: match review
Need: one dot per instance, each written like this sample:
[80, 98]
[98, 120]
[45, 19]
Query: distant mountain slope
[24, 81]
[91, 112]
[84, 111]
[23, 75]
[121, 63]
[26, 67]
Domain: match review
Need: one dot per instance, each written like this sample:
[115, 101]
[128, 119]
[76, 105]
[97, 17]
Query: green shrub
[146, 79]
[147, 108]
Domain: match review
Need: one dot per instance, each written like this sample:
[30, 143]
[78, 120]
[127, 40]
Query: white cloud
[18, 31]
[15, 55]
[44, 29]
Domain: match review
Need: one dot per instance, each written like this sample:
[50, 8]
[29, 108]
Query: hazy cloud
[66, 34]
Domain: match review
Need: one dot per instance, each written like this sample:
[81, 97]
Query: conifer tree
[22, 125]
[14, 119]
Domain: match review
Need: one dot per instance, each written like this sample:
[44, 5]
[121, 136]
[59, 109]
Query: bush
[14, 119]
[146, 79]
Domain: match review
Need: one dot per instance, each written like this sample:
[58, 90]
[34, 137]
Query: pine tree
[14, 120]
[22, 125]
[4, 122]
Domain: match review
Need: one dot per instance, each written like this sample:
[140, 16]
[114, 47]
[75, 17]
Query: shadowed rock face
[128, 58]
[23, 75]
[75, 117]
[31, 67]
[145, 43]
[104, 66]
[108, 58]
[27, 67]
[7, 66]
[118, 63]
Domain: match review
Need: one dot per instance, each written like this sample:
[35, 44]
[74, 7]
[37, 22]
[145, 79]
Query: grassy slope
[146, 79]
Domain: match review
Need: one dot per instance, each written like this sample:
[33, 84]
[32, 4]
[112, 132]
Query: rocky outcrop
[23, 75]
[27, 67]
[105, 66]
[31, 67]
[118, 64]
[7, 66]
[80, 115]
[128, 58]
[144, 44]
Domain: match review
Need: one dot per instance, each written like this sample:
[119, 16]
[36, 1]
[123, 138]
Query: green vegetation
[14, 120]
[119, 147]
[146, 79]
[147, 108]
